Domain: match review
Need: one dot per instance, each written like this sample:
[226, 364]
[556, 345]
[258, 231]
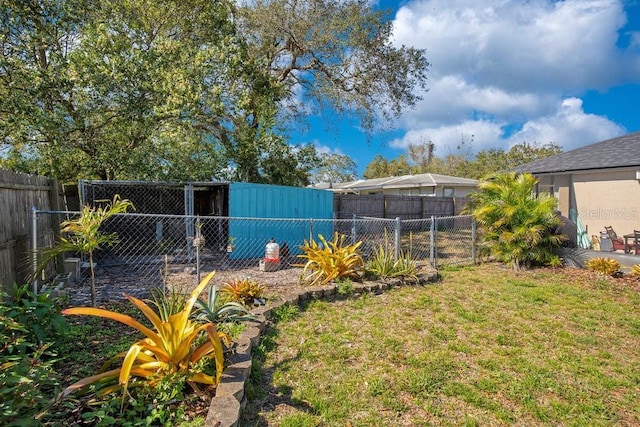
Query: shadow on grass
[263, 395]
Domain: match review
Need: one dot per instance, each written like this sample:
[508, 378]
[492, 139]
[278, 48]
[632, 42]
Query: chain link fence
[154, 249]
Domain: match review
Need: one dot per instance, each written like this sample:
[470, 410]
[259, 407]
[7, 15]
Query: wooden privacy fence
[19, 193]
[395, 206]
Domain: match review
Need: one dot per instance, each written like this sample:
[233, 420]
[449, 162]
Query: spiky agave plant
[215, 309]
[166, 349]
[385, 264]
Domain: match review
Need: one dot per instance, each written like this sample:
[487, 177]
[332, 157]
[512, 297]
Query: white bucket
[273, 251]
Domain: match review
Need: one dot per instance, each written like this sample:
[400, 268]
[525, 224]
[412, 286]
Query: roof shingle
[623, 151]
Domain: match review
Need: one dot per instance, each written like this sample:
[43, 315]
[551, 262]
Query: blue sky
[507, 72]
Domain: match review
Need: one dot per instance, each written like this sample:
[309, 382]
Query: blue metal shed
[276, 202]
[291, 214]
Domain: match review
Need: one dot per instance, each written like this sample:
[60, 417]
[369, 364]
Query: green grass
[484, 346]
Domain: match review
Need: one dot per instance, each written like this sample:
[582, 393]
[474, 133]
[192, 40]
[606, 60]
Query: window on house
[447, 191]
[545, 189]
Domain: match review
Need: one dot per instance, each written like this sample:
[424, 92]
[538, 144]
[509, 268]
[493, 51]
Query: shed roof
[622, 151]
[403, 181]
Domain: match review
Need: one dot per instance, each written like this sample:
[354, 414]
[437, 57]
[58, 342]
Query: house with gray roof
[425, 184]
[596, 186]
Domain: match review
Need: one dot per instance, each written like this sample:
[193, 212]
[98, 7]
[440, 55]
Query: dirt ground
[111, 284]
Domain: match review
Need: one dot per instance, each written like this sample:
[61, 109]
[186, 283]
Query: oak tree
[164, 89]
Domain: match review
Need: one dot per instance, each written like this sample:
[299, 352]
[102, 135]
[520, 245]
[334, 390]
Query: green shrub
[144, 406]
[39, 314]
[517, 226]
[27, 377]
[555, 261]
[344, 287]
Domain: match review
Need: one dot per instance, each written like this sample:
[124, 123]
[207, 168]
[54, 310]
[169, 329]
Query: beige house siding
[462, 191]
[608, 198]
[562, 191]
[600, 198]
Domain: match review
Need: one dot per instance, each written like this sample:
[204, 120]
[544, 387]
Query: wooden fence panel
[438, 206]
[346, 205]
[395, 206]
[403, 207]
[459, 204]
[18, 194]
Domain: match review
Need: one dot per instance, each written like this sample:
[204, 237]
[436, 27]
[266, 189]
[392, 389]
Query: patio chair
[617, 243]
[636, 242]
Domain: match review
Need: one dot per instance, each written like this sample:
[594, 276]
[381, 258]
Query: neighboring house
[596, 186]
[425, 184]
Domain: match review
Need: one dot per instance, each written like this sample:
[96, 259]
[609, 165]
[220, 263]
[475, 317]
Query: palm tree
[83, 234]
[519, 227]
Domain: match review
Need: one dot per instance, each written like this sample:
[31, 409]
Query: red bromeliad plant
[166, 350]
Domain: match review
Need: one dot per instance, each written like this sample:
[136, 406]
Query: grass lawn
[484, 346]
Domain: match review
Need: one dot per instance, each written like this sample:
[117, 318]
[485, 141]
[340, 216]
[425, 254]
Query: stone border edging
[225, 408]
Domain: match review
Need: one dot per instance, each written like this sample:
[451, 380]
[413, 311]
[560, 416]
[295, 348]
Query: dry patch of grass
[484, 346]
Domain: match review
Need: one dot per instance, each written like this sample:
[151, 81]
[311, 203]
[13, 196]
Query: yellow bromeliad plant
[329, 261]
[166, 350]
[606, 266]
[245, 290]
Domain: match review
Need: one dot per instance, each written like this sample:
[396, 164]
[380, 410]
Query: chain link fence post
[432, 242]
[189, 223]
[353, 229]
[197, 242]
[473, 240]
[397, 230]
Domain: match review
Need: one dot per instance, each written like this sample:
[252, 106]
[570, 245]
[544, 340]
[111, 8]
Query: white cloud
[478, 135]
[452, 98]
[568, 126]
[518, 45]
[520, 64]
[325, 149]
